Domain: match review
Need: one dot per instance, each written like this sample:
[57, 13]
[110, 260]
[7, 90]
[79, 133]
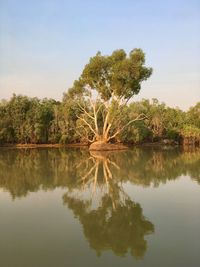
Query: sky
[45, 44]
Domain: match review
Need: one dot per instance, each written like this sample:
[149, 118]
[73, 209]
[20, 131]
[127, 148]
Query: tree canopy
[105, 86]
[118, 75]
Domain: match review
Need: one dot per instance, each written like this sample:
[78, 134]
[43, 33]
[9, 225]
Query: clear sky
[44, 44]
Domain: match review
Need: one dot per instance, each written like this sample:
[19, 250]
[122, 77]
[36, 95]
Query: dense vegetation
[96, 109]
[30, 120]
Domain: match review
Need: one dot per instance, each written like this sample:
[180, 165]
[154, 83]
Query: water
[67, 207]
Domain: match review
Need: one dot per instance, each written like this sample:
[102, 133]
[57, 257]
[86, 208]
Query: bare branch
[91, 140]
[93, 104]
[139, 118]
[84, 110]
[89, 172]
[99, 108]
[87, 124]
[95, 177]
[105, 122]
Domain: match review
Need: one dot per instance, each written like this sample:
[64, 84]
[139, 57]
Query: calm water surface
[67, 207]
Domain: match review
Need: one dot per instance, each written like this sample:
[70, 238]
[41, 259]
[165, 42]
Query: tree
[104, 88]
[190, 135]
[6, 129]
[67, 117]
[45, 116]
[193, 115]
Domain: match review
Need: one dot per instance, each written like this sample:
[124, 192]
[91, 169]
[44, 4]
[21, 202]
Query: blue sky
[44, 44]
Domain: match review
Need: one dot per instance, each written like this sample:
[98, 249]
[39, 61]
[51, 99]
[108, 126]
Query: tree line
[97, 109]
[31, 120]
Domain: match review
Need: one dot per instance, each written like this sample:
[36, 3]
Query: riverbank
[79, 145]
[110, 147]
[41, 145]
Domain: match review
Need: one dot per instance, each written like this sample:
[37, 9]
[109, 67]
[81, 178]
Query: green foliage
[193, 115]
[26, 120]
[30, 120]
[96, 108]
[172, 134]
[108, 81]
[190, 130]
[190, 135]
[118, 74]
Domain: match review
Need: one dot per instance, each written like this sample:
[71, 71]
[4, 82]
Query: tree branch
[84, 110]
[87, 124]
[139, 118]
[95, 116]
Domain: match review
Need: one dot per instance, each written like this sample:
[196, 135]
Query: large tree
[103, 90]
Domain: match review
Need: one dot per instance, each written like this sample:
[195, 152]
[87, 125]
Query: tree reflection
[94, 184]
[29, 170]
[116, 223]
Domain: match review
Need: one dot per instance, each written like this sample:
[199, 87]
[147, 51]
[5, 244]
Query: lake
[69, 207]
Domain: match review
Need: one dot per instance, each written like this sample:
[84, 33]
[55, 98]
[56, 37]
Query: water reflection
[94, 188]
[23, 171]
[114, 222]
